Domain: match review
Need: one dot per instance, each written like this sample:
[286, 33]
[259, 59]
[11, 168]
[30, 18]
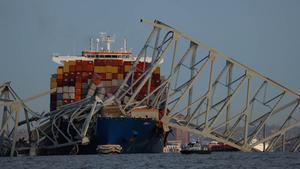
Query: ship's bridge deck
[125, 56]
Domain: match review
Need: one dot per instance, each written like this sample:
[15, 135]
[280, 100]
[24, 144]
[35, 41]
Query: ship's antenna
[91, 44]
[97, 44]
[125, 45]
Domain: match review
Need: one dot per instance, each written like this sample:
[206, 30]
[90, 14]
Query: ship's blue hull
[134, 135]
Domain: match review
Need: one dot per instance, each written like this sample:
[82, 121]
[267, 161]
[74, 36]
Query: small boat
[195, 148]
[109, 149]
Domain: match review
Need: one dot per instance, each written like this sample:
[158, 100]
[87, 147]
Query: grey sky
[263, 34]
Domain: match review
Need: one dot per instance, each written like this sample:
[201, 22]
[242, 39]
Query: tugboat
[195, 148]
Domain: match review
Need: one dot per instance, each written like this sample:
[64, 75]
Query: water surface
[222, 160]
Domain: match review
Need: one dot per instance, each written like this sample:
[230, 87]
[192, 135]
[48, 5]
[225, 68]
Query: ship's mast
[108, 40]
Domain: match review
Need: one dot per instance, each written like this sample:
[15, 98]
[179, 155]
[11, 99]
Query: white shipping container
[115, 82]
[59, 90]
[71, 89]
[100, 84]
[107, 83]
[65, 89]
[66, 96]
[120, 82]
[72, 95]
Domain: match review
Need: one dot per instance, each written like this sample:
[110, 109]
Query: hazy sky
[263, 34]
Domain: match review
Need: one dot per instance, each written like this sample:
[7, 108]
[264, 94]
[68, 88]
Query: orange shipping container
[78, 85]
[66, 67]
[60, 70]
[108, 76]
[127, 68]
[157, 70]
[77, 98]
[59, 77]
[120, 76]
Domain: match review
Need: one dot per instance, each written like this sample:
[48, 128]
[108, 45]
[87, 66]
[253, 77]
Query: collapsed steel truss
[209, 94]
[204, 92]
[68, 126]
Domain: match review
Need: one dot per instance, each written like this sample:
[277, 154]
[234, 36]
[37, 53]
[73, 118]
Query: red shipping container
[116, 62]
[59, 82]
[137, 75]
[140, 67]
[78, 78]
[72, 75]
[84, 75]
[78, 85]
[155, 76]
[120, 69]
[114, 75]
[78, 68]
[65, 75]
[99, 62]
[77, 98]
[108, 62]
[84, 65]
[72, 68]
[66, 82]
[77, 91]
[120, 62]
[102, 76]
[127, 63]
[90, 68]
[72, 82]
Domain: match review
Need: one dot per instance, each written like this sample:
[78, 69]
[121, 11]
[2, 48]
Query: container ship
[99, 72]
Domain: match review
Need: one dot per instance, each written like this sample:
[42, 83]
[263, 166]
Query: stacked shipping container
[78, 79]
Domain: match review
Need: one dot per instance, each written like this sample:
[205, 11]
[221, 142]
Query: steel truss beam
[222, 99]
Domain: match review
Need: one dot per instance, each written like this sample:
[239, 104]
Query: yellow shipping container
[127, 68]
[120, 76]
[109, 76]
[72, 62]
[108, 69]
[100, 69]
[114, 69]
[157, 70]
[53, 83]
[66, 67]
